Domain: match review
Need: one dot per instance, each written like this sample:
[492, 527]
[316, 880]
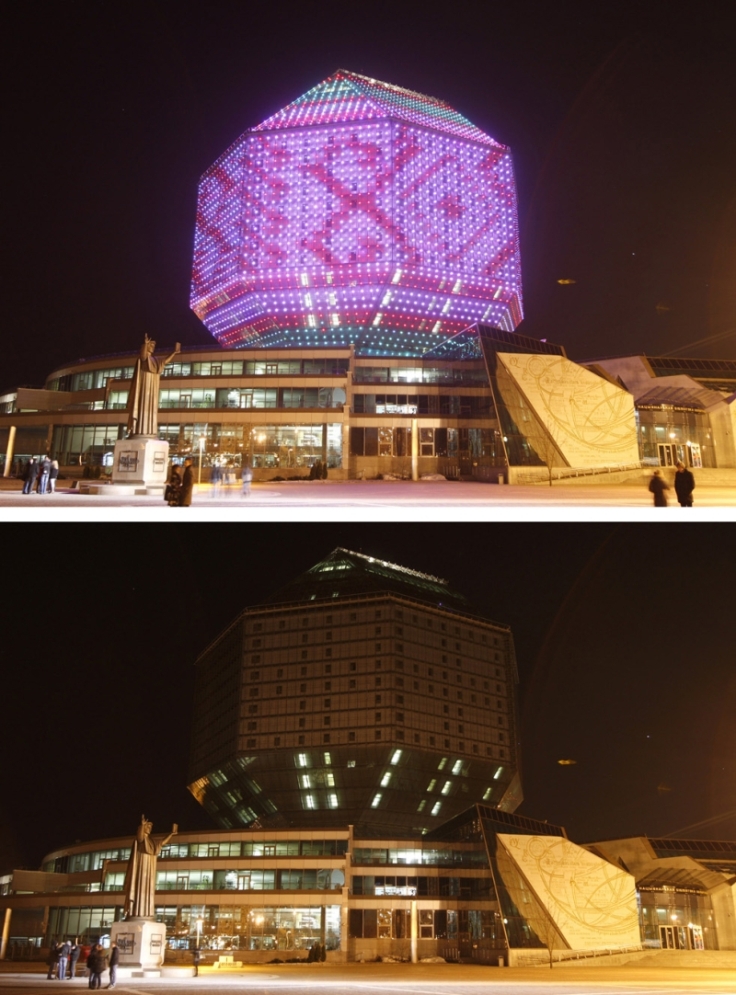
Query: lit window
[457, 767]
[422, 803]
[303, 760]
[328, 759]
[446, 787]
[306, 781]
[430, 786]
[436, 808]
[487, 794]
[376, 800]
[498, 773]
[351, 763]
[441, 765]
[332, 799]
[385, 780]
[309, 801]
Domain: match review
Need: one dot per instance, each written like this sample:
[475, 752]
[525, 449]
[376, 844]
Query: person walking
[684, 485]
[53, 475]
[215, 479]
[197, 956]
[74, 953]
[29, 477]
[657, 487]
[246, 475]
[96, 964]
[187, 484]
[113, 962]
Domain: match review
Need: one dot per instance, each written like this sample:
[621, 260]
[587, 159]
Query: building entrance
[667, 453]
[688, 937]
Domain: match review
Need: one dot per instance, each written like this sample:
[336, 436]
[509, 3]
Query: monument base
[141, 942]
[141, 460]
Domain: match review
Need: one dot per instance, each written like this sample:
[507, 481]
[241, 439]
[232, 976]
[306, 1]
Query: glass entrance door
[667, 453]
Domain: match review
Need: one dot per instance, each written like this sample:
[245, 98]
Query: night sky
[623, 632]
[620, 116]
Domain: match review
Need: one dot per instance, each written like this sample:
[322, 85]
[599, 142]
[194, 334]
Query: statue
[143, 397]
[140, 875]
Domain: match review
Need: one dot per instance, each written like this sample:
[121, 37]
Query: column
[414, 449]
[9, 453]
[414, 931]
[6, 934]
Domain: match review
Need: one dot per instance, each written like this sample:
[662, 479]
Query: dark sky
[620, 115]
[624, 637]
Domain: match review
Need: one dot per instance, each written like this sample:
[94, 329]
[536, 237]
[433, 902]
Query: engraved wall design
[591, 421]
[592, 903]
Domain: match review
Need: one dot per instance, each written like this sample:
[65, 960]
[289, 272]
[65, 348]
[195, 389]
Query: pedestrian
[658, 486]
[187, 484]
[246, 475]
[53, 475]
[96, 964]
[197, 956]
[172, 490]
[684, 485]
[53, 961]
[229, 478]
[215, 479]
[74, 953]
[63, 959]
[113, 962]
[30, 476]
[43, 474]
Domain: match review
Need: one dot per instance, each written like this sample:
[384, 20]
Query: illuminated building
[357, 261]
[361, 693]
[361, 214]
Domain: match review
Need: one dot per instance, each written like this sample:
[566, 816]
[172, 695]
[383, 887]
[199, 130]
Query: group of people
[180, 485]
[63, 959]
[226, 476]
[40, 475]
[684, 487]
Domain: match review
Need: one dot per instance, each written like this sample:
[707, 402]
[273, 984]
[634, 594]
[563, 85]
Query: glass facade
[668, 434]
[676, 919]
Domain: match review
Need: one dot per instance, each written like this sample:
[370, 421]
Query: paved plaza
[410, 979]
[430, 500]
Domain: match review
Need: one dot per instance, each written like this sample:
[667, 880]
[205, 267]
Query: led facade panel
[360, 214]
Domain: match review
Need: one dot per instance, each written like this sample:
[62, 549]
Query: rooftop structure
[361, 214]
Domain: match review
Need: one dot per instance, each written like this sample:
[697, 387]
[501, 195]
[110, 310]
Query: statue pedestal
[142, 461]
[142, 942]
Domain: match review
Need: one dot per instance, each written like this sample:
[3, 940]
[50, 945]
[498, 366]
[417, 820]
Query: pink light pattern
[360, 213]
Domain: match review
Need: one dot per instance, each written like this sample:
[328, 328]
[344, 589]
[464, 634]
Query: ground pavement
[407, 979]
[378, 499]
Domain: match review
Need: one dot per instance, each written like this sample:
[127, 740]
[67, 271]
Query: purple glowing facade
[360, 214]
